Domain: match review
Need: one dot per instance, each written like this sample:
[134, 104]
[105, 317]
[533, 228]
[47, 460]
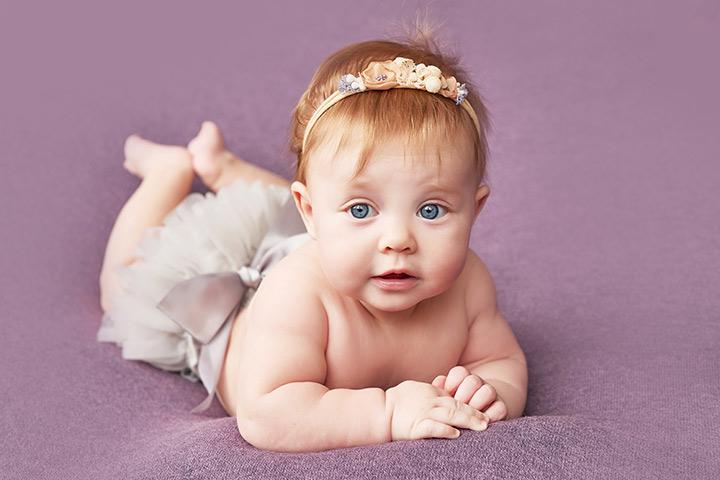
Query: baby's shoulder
[290, 297]
[478, 284]
[299, 268]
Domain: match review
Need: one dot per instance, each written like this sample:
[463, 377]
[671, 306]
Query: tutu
[168, 312]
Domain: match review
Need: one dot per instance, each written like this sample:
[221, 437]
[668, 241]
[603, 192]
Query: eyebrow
[439, 188]
[359, 182]
[432, 187]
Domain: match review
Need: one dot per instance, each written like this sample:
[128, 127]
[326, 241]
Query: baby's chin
[371, 294]
[398, 301]
[394, 305]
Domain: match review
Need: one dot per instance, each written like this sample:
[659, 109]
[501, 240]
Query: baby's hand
[471, 389]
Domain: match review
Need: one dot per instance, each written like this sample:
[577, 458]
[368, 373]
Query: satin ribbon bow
[202, 304]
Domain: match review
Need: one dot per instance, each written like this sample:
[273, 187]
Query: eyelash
[429, 203]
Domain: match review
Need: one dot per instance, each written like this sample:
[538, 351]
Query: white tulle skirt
[205, 233]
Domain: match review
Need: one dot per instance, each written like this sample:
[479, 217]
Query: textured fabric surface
[601, 229]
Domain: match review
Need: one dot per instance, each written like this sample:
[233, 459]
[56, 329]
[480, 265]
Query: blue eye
[360, 210]
[431, 211]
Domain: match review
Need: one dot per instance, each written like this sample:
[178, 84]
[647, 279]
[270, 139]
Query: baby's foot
[143, 156]
[212, 162]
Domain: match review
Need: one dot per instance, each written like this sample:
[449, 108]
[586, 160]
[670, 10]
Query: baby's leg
[217, 166]
[167, 175]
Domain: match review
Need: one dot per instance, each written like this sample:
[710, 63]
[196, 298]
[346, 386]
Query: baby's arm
[282, 402]
[505, 371]
[492, 351]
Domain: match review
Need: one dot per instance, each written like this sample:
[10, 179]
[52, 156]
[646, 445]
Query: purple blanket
[602, 229]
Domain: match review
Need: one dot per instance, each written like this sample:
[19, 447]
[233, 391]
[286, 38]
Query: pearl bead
[432, 84]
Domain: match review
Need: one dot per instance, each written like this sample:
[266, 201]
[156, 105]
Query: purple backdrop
[602, 230]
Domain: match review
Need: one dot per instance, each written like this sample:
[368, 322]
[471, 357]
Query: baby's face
[398, 213]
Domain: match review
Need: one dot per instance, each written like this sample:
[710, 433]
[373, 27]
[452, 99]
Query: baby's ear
[481, 196]
[302, 202]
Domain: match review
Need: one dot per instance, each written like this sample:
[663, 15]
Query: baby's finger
[460, 415]
[439, 381]
[497, 411]
[455, 377]
[483, 397]
[451, 403]
[467, 389]
[429, 428]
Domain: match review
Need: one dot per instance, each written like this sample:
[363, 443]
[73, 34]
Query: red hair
[375, 116]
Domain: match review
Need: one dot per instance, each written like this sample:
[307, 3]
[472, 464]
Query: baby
[383, 325]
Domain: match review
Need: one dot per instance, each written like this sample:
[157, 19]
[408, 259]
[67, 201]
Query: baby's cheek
[344, 270]
[447, 265]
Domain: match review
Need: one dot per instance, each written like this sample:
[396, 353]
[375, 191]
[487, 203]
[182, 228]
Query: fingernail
[478, 424]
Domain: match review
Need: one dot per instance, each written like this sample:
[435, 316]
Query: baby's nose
[398, 240]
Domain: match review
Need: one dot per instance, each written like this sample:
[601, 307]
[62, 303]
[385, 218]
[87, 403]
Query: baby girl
[345, 307]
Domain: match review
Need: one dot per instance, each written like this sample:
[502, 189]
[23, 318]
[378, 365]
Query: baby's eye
[360, 210]
[431, 211]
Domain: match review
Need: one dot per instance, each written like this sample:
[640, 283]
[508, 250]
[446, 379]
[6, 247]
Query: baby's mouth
[395, 276]
[395, 281]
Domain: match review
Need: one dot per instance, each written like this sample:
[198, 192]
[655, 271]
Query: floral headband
[398, 73]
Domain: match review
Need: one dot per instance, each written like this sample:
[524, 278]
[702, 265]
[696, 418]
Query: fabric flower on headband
[402, 72]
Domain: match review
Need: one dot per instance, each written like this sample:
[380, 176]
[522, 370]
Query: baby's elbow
[254, 433]
[270, 439]
[252, 424]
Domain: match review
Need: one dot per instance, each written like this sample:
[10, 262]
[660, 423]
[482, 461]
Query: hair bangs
[372, 118]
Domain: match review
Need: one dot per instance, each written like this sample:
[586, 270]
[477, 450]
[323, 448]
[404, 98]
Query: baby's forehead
[385, 172]
[446, 165]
